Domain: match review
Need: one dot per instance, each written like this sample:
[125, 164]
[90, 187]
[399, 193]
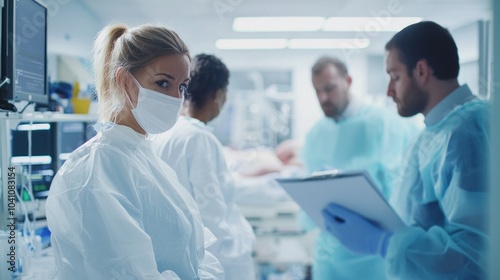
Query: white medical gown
[197, 157]
[443, 193]
[373, 139]
[116, 211]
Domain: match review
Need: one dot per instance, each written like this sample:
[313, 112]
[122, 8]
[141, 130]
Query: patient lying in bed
[254, 170]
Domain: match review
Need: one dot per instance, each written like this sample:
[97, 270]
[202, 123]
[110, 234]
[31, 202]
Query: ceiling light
[328, 43]
[239, 44]
[369, 24]
[276, 24]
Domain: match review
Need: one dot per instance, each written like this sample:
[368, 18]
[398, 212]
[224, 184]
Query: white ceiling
[201, 22]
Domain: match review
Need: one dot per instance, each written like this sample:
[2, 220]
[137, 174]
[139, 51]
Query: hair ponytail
[104, 46]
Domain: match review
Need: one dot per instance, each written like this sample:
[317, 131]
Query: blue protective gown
[372, 139]
[443, 193]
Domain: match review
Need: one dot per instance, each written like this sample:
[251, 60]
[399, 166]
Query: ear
[348, 80]
[121, 78]
[124, 81]
[422, 71]
[218, 94]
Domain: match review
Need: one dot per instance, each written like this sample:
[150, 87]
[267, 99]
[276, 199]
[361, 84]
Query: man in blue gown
[442, 193]
[352, 135]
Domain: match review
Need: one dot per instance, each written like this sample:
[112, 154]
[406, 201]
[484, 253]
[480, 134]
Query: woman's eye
[162, 84]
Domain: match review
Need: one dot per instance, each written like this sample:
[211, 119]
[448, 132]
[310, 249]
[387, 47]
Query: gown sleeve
[454, 250]
[113, 243]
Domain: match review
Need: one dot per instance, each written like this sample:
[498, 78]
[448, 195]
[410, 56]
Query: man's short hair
[324, 61]
[430, 41]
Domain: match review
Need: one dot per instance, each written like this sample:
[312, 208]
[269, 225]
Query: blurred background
[270, 91]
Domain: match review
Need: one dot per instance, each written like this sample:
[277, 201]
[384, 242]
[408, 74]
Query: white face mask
[155, 112]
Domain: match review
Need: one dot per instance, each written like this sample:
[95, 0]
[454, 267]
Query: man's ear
[348, 80]
[422, 71]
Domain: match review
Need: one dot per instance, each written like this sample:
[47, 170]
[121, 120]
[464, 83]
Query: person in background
[115, 209]
[353, 135]
[197, 157]
[443, 190]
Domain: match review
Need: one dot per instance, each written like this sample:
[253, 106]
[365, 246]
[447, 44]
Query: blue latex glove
[355, 232]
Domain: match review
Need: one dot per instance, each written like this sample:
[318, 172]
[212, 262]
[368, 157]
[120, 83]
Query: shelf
[47, 117]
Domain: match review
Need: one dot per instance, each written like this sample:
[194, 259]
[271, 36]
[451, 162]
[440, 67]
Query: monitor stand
[5, 105]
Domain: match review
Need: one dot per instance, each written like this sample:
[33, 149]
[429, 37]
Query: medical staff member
[196, 155]
[115, 209]
[352, 135]
[442, 194]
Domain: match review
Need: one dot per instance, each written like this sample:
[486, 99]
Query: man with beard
[352, 135]
[443, 190]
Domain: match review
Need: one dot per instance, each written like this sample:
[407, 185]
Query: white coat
[116, 211]
[196, 156]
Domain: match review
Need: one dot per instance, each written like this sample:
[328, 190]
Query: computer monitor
[24, 51]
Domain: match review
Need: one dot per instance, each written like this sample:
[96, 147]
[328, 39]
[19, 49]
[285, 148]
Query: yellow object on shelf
[80, 105]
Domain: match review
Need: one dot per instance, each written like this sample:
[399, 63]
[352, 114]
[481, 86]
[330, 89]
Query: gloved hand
[355, 232]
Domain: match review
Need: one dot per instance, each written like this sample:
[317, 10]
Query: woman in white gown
[197, 157]
[115, 210]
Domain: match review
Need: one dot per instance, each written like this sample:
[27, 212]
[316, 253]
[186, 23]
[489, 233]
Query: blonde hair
[117, 46]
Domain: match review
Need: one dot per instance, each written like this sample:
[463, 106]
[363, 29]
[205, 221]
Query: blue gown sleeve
[454, 249]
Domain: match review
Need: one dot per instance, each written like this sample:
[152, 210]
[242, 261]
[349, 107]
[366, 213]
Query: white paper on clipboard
[355, 191]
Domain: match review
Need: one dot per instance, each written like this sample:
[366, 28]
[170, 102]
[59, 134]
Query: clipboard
[354, 190]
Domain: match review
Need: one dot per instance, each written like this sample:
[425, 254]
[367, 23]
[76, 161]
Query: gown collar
[456, 98]
[196, 122]
[121, 132]
[350, 110]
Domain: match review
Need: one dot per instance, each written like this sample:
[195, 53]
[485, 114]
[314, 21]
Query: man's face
[332, 90]
[410, 98]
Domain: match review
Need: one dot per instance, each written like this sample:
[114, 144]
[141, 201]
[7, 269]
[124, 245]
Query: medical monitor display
[24, 51]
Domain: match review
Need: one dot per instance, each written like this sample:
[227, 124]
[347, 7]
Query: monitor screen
[41, 144]
[24, 52]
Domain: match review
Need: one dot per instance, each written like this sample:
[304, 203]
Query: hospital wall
[306, 107]
[71, 28]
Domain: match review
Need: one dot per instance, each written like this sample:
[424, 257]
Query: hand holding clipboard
[355, 191]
